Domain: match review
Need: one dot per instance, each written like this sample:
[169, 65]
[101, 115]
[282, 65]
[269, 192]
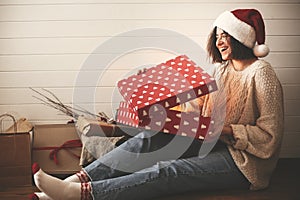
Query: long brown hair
[239, 50]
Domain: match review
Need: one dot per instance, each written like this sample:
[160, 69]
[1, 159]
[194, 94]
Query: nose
[219, 41]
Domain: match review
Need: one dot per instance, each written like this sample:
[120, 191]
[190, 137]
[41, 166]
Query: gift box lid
[169, 84]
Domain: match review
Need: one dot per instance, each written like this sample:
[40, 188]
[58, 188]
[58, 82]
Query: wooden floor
[284, 186]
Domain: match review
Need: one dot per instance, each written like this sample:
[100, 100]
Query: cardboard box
[15, 160]
[59, 138]
[190, 124]
[168, 84]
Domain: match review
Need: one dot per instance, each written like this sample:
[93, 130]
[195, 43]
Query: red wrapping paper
[190, 124]
[126, 115]
[168, 84]
[150, 96]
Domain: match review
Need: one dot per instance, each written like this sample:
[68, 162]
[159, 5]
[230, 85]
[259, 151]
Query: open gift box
[190, 124]
[150, 97]
[168, 84]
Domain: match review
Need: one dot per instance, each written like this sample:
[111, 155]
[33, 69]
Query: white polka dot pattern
[169, 84]
[169, 121]
[126, 115]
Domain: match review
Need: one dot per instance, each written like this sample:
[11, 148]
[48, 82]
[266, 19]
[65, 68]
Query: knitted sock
[73, 178]
[83, 177]
[35, 168]
[86, 191]
[79, 177]
[33, 197]
[39, 196]
[54, 187]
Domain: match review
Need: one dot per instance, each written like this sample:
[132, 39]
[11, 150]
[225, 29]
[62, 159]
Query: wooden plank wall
[46, 43]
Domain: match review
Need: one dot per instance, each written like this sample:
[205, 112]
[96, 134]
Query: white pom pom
[261, 50]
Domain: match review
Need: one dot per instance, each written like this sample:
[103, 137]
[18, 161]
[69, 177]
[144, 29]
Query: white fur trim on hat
[238, 29]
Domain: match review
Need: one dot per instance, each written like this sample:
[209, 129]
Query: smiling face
[223, 44]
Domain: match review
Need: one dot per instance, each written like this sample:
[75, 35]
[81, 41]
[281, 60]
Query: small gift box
[190, 124]
[57, 148]
[168, 84]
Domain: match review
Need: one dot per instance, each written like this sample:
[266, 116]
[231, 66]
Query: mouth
[222, 49]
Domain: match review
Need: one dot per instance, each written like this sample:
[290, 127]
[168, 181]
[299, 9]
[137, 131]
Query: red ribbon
[68, 145]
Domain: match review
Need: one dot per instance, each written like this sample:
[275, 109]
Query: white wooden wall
[44, 43]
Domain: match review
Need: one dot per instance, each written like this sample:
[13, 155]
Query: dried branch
[54, 102]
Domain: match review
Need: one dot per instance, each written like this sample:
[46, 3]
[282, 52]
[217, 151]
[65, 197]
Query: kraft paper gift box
[190, 124]
[166, 85]
[57, 148]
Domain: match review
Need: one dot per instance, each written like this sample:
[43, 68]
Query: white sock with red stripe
[79, 177]
[39, 196]
[82, 176]
[59, 189]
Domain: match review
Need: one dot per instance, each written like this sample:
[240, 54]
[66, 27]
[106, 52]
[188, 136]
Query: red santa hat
[246, 26]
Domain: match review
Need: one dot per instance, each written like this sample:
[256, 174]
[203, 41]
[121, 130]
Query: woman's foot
[55, 188]
[79, 177]
[33, 196]
[39, 196]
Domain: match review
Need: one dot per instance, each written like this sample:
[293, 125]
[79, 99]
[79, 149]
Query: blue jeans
[140, 169]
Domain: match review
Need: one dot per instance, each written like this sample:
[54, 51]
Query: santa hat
[246, 26]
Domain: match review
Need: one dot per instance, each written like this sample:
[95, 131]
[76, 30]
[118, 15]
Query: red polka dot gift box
[190, 124]
[168, 84]
[163, 86]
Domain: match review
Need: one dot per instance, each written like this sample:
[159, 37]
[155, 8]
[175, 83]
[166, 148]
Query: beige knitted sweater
[254, 109]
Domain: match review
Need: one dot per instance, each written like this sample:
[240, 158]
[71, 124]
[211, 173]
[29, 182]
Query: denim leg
[216, 171]
[142, 151]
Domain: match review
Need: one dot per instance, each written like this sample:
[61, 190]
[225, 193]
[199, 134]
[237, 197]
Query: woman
[249, 144]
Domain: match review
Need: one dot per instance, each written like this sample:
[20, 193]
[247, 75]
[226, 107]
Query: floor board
[284, 186]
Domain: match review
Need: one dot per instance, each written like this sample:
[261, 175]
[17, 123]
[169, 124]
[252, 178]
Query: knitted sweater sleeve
[263, 138]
